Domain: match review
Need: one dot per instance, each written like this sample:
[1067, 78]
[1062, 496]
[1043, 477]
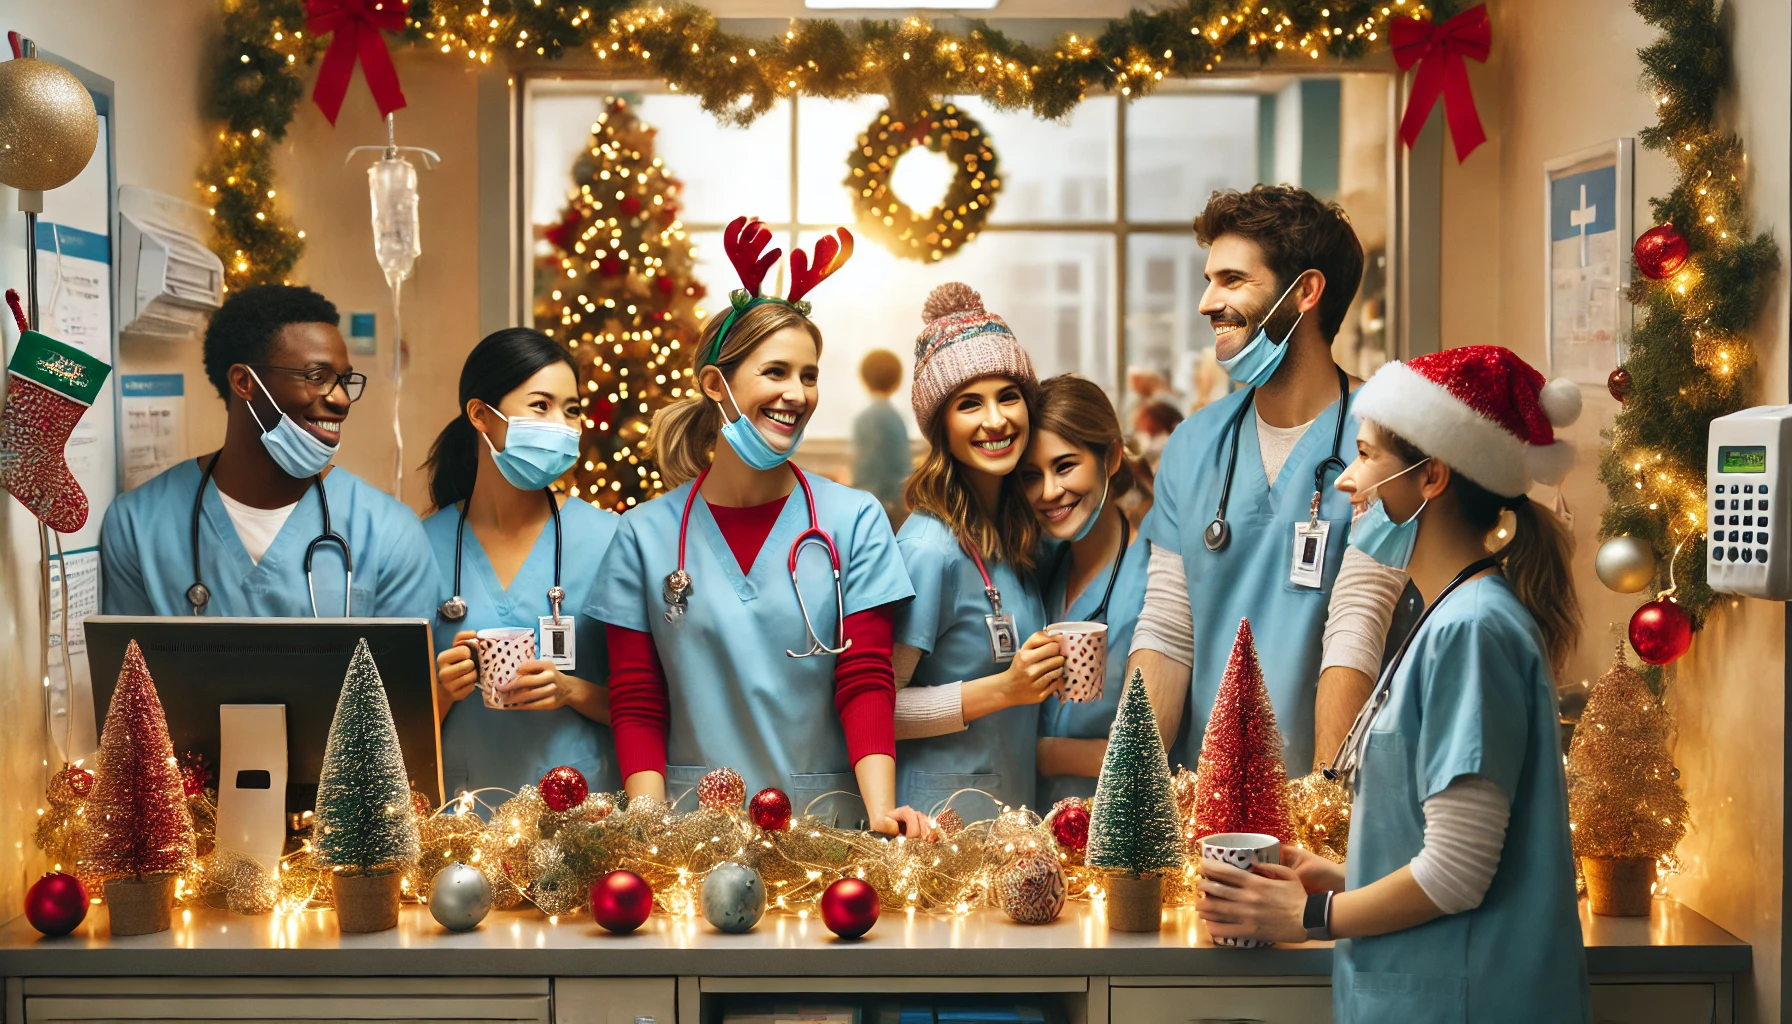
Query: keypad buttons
[1717, 554]
[1760, 488]
[1748, 504]
[1748, 488]
[1763, 504]
[1761, 555]
[1748, 536]
[1735, 535]
[1734, 555]
[1748, 554]
[1748, 520]
[1761, 522]
[1735, 489]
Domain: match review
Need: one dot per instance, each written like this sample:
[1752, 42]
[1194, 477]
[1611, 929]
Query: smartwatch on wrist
[1317, 919]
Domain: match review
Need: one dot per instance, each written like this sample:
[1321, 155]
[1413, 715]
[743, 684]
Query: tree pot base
[140, 906]
[367, 903]
[1619, 886]
[1135, 904]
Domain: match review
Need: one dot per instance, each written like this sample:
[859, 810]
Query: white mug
[1084, 646]
[1241, 850]
[497, 654]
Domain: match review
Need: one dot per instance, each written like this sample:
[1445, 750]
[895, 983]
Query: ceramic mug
[1241, 850]
[1084, 646]
[497, 654]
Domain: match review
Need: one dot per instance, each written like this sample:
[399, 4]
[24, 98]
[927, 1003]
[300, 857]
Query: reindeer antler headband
[745, 241]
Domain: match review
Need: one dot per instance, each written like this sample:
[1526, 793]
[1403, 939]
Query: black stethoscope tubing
[1100, 614]
[1218, 534]
[199, 595]
[455, 608]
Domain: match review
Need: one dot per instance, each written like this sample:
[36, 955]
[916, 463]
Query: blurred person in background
[880, 458]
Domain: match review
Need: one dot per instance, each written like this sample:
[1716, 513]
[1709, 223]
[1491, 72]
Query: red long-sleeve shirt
[864, 683]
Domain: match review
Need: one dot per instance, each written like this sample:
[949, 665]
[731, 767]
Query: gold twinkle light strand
[937, 233]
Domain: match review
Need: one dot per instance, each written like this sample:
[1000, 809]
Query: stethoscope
[199, 595]
[455, 608]
[1350, 752]
[1218, 534]
[1100, 614]
[678, 581]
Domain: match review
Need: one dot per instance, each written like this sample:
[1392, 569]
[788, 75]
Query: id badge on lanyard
[1003, 641]
[555, 640]
[1307, 569]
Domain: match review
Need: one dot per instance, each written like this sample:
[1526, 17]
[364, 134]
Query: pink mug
[497, 654]
[1084, 646]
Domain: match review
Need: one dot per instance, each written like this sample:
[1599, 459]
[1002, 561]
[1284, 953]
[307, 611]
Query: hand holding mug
[456, 671]
[1034, 673]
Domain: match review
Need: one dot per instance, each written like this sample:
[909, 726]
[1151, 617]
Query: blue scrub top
[146, 553]
[482, 746]
[1249, 577]
[1472, 697]
[1094, 719]
[737, 700]
[995, 753]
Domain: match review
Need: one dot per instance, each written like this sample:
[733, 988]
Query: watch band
[1317, 919]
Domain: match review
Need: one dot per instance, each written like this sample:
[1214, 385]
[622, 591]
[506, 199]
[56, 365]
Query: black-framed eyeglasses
[324, 380]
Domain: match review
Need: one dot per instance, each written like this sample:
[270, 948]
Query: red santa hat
[1479, 409]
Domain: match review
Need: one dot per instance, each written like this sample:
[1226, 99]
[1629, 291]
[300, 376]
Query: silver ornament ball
[459, 897]
[733, 897]
[1625, 564]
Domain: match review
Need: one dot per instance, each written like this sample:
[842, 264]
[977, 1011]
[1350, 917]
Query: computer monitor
[200, 663]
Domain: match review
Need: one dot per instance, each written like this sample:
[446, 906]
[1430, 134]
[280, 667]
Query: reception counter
[1672, 967]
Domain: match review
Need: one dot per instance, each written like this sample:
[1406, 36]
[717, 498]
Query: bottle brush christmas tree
[138, 835]
[1625, 805]
[1134, 832]
[614, 284]
[1241, 784]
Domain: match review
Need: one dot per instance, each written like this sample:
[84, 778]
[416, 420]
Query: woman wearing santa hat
[1457, 902]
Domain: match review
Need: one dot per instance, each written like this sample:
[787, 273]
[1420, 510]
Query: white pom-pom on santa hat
[1560, 399]
[1550, 463]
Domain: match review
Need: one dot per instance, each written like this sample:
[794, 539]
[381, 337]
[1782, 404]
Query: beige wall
[1564, 76]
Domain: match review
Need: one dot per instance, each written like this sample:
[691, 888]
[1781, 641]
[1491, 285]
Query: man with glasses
[230, 533]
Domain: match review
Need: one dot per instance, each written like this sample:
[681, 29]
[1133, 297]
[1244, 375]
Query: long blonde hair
[682, 439]
[1010, 534]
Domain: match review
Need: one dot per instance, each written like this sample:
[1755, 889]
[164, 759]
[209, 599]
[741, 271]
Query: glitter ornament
[1240, 781]
[71, 785]
[849, 907]
[554, 887]
[770, 810]
[722, 789]
[1660, 252]
[1617, 383]
[1660, 632]
[459, 897]
[1031, 890]
[1321, 811]
[49, 387]
[949, 823]
[1070, 827]
[56, 904]
[1625, 564]
[563, 788]
[48, 125]
[621, 901]
[733, 897]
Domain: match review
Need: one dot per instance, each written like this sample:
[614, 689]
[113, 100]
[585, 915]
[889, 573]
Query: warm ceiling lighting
[900, 5]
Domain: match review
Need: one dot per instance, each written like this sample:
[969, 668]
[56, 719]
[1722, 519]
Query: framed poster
[1586, 260]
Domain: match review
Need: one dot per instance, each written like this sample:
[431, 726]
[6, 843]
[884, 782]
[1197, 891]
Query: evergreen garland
[363, 819]
[1689, 359]
[1134, 826]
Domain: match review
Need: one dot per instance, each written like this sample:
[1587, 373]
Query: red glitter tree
[137, 818]
[1241, 784]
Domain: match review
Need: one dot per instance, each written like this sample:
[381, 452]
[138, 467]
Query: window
[1088, 253]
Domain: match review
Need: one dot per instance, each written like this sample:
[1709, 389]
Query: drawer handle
[1225, 1020]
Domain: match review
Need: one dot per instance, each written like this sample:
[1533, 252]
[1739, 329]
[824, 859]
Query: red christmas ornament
[70, 785]
[610, 267]
[770, 810]
[665, 284]
[631, 205]
[1241, 784]
[849, 907]
[621, 901]
[420, 806]
[56, 903]
[1070, 827]
[1660, 632]
[722, 789]
[563, 788]
[948, 824]
[1618, 383]
[1660, 252]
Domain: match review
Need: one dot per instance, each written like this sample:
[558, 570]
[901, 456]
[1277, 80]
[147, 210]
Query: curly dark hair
[1297, 231]
[243, 328]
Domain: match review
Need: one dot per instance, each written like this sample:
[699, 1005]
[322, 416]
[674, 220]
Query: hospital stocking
[49, 386]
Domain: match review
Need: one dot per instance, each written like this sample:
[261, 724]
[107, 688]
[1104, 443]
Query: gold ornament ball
[48, 127]
[1625, 564]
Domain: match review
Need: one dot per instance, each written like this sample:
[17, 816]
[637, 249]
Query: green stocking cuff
[66, 370]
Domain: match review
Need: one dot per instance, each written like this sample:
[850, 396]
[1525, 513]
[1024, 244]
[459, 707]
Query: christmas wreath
[882, 214]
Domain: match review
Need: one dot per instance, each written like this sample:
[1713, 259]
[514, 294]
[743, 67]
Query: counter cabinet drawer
[1690, 1003]
[284, 1000]
[1245, 1004]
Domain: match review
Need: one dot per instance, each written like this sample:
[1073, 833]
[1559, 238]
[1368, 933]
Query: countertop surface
[1672, 940]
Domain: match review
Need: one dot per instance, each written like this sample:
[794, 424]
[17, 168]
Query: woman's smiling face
[774, 387]
[1064, 483]
[986, 425]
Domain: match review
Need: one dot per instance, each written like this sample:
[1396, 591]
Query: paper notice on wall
[71, 680]
[74, 289]
[154, 424]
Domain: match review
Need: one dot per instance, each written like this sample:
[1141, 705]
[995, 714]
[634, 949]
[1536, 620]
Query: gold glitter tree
[1624, 798]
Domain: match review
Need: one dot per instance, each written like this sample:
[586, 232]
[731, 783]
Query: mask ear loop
[1278, 305]
[263, 390]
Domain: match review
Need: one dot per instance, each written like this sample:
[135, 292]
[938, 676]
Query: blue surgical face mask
[1089, 523]
[1378, 536]
[748, 442]
[1256, 363]
[536, 453]
[298, 452]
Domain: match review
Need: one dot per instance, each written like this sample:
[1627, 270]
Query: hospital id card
[1002, 640]
[1308, 567]
[557, 642]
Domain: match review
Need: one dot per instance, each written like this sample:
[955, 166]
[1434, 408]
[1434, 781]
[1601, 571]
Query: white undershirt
[1275, 443]
[257, 527]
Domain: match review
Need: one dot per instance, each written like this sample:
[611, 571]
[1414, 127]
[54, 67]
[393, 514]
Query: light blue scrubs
[1095, 719]
[146, 553]
[737, 700]
[995, 753]
[1248, 578]
[1472, 697]
[485, 747]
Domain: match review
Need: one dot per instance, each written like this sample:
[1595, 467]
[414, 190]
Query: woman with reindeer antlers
[749, 611]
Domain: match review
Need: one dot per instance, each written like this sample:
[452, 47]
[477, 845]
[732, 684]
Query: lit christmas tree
[1133, 825]
[1624, 797]
[1241, 784]
[363, 820]
[136, 822]
[617, 290]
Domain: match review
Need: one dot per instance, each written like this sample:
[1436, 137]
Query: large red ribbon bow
[355, 27]
[1438, 51]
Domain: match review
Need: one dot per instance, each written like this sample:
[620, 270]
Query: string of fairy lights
[258, 78]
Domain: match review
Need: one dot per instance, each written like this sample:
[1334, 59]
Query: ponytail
[453, 462]
[1537, 561]
[503, 361]
[683, 436]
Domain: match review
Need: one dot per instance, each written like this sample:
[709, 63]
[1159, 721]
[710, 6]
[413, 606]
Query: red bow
[1438, 51]
[355, 26]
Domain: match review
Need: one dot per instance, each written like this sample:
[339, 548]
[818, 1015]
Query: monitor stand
[252, 782]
